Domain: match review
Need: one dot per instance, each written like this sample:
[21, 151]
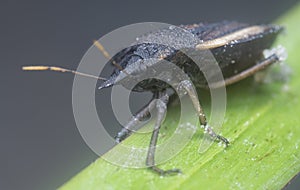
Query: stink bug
[237, 47]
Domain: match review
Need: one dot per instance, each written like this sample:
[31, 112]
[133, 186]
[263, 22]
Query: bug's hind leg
[272, 56]
[161, 106]
[263, 64]
[187, 87]
[141, 115]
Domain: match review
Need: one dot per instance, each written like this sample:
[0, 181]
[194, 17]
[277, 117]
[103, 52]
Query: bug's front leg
[142, 114]
[186, 86]
[161, 106]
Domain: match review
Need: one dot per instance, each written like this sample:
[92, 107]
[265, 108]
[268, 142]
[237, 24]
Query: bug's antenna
[59, 69]
[106, 54]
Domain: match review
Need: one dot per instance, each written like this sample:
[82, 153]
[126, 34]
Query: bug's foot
[223, 139]
[119, 139]
[122, 135]
[161, 172]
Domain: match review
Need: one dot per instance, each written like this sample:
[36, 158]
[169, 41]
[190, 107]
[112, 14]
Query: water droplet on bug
[172, 27]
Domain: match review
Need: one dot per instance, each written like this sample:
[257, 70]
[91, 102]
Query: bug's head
[142, 75]
[128, 77]
[108, 83]
[132, 65]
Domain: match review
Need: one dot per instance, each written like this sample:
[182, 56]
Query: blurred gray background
[39, 142]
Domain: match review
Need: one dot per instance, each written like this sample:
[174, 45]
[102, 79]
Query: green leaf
[262, 123]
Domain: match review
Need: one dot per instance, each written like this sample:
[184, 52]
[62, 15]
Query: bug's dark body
[232, 58]
[245, 53]
[237, 49]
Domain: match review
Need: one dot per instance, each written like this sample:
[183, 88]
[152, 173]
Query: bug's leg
[161, 106]
[187, 86]
[277, 55]
[263, 64]
[143, 113]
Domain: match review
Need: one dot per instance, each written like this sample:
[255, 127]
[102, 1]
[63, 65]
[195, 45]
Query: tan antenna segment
[59, 69]
[106, 54]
